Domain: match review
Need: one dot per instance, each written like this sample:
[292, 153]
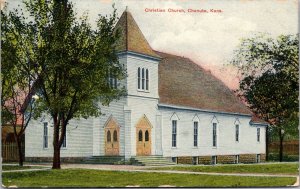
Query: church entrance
[143, 137]
[112, 138]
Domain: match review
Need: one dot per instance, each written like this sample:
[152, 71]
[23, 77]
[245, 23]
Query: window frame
[237, 133]
[196, 131]
[214, 160]
[143, 79]
[147, 80]
[115, 136]
[258, 134]
[236, 159]
[139, 78]
[174, 133]
[45, 135]
[214, 135]
[64, 143]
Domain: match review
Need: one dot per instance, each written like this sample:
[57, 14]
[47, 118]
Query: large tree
[71, 63]
[269, 84]
[16, 89]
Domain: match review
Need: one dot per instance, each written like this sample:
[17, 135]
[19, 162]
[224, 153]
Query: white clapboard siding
[133, 63]
[226, 143]
[116, 110]
[140, 107]
[79, 138]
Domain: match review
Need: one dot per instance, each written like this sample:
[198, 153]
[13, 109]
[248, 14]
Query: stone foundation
[222, 159]
[206, 160]
[226, 159]
[247, 158]
[49, 159]
[185, 160]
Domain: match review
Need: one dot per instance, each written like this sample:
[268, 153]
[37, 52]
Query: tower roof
[132, 39]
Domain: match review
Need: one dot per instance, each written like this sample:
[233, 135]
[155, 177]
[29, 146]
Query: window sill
[45, 148]
[143, 91]
[214, 147]
[173, 147]
[63, 148]
[195, 147]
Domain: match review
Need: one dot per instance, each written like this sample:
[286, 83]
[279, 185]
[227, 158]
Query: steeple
[132, 39]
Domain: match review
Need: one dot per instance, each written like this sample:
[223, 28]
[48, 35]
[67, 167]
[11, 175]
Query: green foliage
[68, 62]
[98, 178]
[269, 84]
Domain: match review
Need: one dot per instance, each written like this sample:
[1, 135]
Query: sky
[208, 38]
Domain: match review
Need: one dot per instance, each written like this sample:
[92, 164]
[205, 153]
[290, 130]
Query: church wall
[79, 138]
[115, 109]
[133, 63]
[140, 107]
[226, 144]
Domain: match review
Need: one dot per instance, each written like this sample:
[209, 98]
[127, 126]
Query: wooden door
[112, 138]
[143, 137]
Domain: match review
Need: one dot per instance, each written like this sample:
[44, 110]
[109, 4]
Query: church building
[174, 109]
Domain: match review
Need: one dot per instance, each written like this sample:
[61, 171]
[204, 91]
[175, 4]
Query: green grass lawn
[16, 167]
[278, 168]
[97, 178]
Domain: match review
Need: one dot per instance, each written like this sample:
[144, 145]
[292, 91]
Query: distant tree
[269, 84]
[16, 89]
[71, 63]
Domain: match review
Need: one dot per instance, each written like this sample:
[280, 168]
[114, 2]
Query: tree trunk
[280, 146]
[56, 157]
[20, 151]
[56, 146]
[267, 143]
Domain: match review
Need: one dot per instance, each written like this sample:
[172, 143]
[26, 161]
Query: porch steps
[152, 160]
[103, 159]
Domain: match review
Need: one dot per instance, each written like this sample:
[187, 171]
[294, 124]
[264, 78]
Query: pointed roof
[184, 83]
[131, 38]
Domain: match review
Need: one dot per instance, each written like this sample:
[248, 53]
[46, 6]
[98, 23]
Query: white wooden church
[174, 109]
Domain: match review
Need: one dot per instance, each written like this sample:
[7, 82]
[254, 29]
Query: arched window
[115, 136]
[147, 136]
[143, 79]
[108, 137]
[140, 135]
[139, 78]
[147, 80]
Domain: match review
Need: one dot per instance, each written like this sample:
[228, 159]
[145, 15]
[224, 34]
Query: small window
[174, 133]
[64, 144]
[115, 136]
[174, 159]
[147, 80]
[214, 134]
[258, 158]
[236, 159]
[258, 134]
[237, 133]
[139, 78]
[214, 160]
[195, 160]
[146, 135]
[108, 136]
[45, 137]
[140, 136]
[143, 78]
[112, 81]
[195, 134]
